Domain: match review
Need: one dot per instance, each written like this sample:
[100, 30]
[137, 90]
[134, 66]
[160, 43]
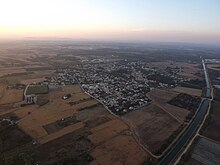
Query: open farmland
[161, 97]
[207, 152]
[51, 112]
[188, 102]
[106, 131]
[189, 91]
[187, 70]
[30, 81]
[213, 66]
[92, 132]
[10, 95]
[213, 125]
[11, 70]
[152, 125]
[150, 88]
[121, 149]
[17, 78]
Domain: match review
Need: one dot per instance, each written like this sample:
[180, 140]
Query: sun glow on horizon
[144, 20]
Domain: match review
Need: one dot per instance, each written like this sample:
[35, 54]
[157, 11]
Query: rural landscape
[94, 103]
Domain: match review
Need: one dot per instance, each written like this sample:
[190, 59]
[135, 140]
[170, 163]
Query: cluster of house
[122, 86]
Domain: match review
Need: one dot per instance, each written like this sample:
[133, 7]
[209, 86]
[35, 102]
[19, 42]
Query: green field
[37, 90]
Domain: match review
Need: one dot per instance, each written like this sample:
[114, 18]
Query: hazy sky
[156, 20]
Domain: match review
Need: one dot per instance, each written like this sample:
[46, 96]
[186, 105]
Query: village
[121, 86]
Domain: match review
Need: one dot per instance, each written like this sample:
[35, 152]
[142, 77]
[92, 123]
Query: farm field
[30, 81]
[51, 112]
[207, 152]
[11, 70]
[188, 70]
[189, 91]
[125, 147]
[86, 125]
[213, 125]
[8, 95]
[213, 66]
[161, 98]
[37, 90]
[152, 125]
[192, 161]
[79, 129]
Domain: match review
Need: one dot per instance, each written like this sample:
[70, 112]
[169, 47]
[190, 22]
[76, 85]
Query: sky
[144, 20]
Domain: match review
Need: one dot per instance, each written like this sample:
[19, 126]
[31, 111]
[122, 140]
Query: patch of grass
[37, 90]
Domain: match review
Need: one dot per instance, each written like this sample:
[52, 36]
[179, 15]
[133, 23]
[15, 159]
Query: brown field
[60, 133]
[188, 75]
[161, 97]
[188, 70]
[189, 91]
[107, 134]
[107, 139]
[11, 70]
[152, 125]
[179, 113]
[6, 109]
[2, 90]
[30, 81]
[93, 113]
[213, 66]
[73, 89]
[212, 129]
[119, 150]
[19, 78]
[53, 111]
[10, 95]
[24, 111]
[34, 117]
[106, 131]
[78, 96]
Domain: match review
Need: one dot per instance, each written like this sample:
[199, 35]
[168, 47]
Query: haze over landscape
[143, 20]
[109, 82]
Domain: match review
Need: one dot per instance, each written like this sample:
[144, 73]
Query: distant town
[121, 86]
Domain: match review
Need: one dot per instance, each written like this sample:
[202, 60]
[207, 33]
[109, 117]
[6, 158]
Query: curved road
[192, 128]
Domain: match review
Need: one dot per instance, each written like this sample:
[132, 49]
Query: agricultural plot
[119, 150]
[85, 129]
[213, 66]
[207, 152]
[12, 137]
[186, 101]
[211, 129]
[30, 81]
[161, 97]
[11, 70]
[189, 91]
[11, 95]
[152, 125]
[188, 70]
[37, 89]
[106, 131]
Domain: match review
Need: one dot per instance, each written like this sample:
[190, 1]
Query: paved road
[187, 134]
[192, 128]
